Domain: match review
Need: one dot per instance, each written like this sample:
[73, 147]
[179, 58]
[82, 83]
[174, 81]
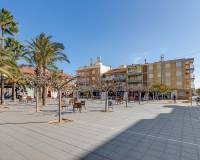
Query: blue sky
[120, 31]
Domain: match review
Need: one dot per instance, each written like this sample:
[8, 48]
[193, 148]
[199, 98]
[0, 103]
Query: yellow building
[177, 74]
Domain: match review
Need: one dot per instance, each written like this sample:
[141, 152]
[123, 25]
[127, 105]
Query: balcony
[192, 85]
[190, 68]
[119, 78]
[135, 73]
[135, 81]
[107, 78]
[192, 76]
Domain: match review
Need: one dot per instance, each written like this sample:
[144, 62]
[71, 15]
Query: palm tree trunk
[13, 92]
[59, 105]
[37, 100]
[44, 90]
[2, 89]
[44, 95]
[2, 80]
[40, 94]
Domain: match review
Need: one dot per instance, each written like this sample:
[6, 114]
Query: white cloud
[137, 60]
[140, 58]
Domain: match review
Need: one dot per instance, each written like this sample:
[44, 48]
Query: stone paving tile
[147, 131]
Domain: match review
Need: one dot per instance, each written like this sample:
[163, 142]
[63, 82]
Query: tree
[7, 65]
[16, 50]
[198, 91]
[35, 82]
[42, 53]
[8, 26]
[160, 88]
[59, 82]
[107, 86]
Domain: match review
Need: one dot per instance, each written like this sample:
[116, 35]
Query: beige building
[176, 74]
[89, 79]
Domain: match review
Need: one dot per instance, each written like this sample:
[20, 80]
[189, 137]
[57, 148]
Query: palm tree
[43, 54]
[6, 62]
[16, 51]
[7, 26]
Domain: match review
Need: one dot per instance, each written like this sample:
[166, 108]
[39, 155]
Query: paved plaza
[155, 131]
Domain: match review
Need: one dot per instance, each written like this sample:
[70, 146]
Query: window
[179, 83]
[150, 76]
[159, 66]
[178, 64]
[168, 74]
[168, 82]
[167, 65]
[181, 93]
[151, 68]
[178, 73]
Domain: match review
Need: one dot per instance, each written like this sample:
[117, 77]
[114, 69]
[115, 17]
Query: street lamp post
[161, 76]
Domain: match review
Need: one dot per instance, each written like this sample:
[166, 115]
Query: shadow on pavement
[16, 123]
[169, 136]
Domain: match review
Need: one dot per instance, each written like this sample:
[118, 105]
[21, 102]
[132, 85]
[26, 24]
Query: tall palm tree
[7, 26]
[16, 49]
[43, 54]
[6, 62]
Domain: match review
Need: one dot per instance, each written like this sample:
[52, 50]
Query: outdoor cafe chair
[64, 104]
[77, 105]
[110, 104]
[83, 104]
[29, 99]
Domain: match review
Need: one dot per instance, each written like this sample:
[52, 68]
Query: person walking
[174, 98]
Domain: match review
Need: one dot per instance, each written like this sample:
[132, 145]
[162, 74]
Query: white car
[194, 98]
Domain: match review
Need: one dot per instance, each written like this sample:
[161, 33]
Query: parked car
[194, 98]
[197, 100]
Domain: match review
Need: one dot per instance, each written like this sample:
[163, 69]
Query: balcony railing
[190, 68]
[135, 73]
[192, 76]
[134, 81]
[114, 78]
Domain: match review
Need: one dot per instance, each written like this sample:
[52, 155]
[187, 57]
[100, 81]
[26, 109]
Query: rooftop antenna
[98, 59]
[161, 57]
[145, 61]
[161, 61]
[91, 63]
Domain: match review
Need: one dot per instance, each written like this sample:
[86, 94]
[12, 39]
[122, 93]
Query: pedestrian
[174, 98]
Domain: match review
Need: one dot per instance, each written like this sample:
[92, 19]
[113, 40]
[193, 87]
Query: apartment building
[177, 74]
[117, 78]
[137, 76]
[89, 79]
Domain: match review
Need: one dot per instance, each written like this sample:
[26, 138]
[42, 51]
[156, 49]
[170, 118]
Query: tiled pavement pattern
[140, 132]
